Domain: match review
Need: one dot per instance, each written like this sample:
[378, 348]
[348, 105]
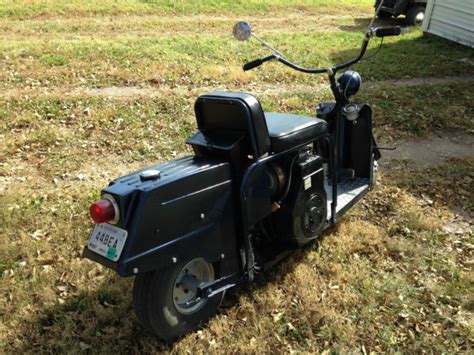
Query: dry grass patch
[370, 284]
[155, 26]
[27, 9]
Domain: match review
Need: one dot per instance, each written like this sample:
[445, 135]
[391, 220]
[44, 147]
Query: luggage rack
[348, 193]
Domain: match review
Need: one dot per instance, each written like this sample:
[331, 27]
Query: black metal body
[179, 215]
[247, 168]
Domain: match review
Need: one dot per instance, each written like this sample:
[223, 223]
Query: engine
[300, 204]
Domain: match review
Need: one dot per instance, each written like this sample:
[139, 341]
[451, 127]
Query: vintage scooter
[259, 185]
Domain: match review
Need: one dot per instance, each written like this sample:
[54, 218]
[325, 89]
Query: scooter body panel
[187, 211]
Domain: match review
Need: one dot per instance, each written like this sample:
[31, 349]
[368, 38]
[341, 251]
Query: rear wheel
[415, 15]
[165, 304]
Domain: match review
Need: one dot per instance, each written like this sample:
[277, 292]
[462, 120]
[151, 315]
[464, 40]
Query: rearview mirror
[242, 31]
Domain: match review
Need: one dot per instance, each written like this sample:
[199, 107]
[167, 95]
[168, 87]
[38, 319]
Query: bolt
[222, 256]
[175, 260]
[203, 215]
[135, 270]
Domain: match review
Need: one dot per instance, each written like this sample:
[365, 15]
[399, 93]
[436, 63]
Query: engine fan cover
[309, 217]
[303, 212]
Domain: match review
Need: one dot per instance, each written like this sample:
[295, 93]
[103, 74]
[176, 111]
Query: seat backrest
[236, 112]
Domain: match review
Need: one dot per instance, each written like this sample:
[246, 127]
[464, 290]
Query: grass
[412, 289]
[32, 9]
[389, 277]
[175, 59]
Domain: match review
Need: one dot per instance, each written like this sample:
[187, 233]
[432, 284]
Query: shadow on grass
[362, 23]
[100, 321]
[413, 54]
[103, 320]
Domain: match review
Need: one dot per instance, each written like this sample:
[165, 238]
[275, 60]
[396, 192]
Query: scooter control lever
[387, 31]
[256, 63]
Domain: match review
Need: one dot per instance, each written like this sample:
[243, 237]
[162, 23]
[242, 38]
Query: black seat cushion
[286, 130]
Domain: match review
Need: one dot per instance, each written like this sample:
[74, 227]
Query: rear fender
[205, 242]
[188, 212]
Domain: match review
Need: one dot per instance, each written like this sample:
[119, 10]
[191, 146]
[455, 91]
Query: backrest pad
[233, 111]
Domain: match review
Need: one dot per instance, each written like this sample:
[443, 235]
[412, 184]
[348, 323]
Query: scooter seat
[287, 130]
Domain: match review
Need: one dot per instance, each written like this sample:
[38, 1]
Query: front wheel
[166, 306]
[415, 15]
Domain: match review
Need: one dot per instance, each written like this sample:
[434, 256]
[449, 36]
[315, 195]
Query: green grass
[193, 60]
[398, 111]
[31, 8]
[157, 127]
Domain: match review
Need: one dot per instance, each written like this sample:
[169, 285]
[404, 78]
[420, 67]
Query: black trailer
[414, 10]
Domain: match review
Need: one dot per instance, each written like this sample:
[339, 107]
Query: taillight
[104, 210]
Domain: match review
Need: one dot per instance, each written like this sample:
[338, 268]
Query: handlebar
[256, 63]
[373, 32]
[386, 31]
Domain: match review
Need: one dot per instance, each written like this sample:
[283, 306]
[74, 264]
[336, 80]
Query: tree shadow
[409, 56]
[103, 320]
[362, 23]
[97, 321]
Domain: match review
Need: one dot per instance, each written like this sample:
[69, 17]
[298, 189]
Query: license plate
[108, 241]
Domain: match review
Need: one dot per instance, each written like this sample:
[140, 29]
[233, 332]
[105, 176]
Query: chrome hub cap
[419, 18]
[184, 297]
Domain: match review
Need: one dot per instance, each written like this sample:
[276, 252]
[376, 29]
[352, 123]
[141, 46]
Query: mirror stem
[375, 15]
[268, 45]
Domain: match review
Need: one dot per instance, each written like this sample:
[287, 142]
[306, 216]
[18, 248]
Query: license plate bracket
[107, 240]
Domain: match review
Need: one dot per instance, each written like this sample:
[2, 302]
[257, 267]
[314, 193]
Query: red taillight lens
[102, 211]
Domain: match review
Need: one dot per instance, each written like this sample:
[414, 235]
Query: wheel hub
[419, 18]
[192, 274]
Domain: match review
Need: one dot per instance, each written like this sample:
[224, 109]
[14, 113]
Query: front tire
[160, 301]
[415, 15]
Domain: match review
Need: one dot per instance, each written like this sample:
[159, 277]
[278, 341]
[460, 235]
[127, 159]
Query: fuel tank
[179, 209]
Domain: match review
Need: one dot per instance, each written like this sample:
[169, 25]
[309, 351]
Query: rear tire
[415, 15]
[156, 306]
[140, 290]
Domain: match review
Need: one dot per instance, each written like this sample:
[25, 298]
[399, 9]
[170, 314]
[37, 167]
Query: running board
[349, 192]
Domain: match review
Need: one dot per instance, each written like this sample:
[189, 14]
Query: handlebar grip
[252, 64]
[388, 31]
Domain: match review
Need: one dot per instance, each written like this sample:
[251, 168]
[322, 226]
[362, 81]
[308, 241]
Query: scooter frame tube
[245, 228]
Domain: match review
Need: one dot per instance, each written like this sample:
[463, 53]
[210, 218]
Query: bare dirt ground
[128, 92]
[150, 26]
[431, 151]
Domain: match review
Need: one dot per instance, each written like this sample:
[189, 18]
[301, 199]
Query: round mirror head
[242, 31]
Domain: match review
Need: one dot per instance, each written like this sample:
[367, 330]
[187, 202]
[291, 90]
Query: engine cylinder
[303, 212]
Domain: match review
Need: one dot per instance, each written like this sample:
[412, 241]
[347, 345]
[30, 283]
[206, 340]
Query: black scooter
[259, 185]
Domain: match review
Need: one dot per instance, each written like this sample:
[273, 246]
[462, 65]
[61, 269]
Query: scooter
[259, 185]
